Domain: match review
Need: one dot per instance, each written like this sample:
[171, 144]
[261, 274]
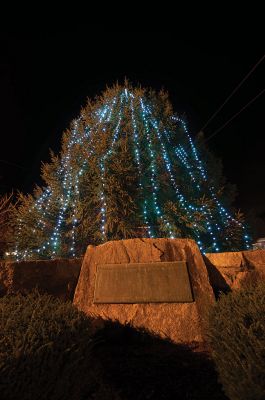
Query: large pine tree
[127, 168]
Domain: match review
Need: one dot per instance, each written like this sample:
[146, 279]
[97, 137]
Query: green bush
[45, 350]
[237, 337]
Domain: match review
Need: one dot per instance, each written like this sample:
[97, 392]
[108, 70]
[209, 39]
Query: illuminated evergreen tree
[127, 168]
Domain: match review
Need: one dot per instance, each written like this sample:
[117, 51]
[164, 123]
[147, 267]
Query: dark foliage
[7, 208]
[237, 335]
[46, 351]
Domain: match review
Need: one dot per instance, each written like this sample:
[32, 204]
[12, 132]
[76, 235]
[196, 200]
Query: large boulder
[56, 277]
[181, 322]
[233, 270]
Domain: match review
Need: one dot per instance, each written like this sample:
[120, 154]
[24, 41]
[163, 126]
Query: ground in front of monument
[139, 366]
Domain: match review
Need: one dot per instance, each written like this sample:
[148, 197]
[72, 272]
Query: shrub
[237, 337]
[45, 350]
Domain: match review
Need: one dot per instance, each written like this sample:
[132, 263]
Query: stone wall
[57, 277]
[225, 271]
[232, 270]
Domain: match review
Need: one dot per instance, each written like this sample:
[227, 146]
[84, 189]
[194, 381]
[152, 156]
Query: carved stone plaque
[157, 282]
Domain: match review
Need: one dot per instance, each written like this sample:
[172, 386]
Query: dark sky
[46, 78]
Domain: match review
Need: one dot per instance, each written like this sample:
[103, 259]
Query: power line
[233, 92]
[235, 115]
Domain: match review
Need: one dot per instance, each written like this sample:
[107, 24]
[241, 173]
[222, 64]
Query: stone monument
[161, 285]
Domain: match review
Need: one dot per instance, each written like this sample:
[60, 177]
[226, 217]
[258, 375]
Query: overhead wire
[234, 116]
[233, 92]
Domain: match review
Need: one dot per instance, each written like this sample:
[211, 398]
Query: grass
[50, 351]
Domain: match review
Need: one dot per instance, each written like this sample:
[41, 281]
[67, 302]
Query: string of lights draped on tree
[128, 168]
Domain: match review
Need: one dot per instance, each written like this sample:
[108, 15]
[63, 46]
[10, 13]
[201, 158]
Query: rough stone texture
[56, 277]
[234, 270]
[181, 322]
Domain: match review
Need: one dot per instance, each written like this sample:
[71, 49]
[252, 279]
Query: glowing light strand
[139, 166]
[154, 183]
[102, 172]
[168, 167]
[221, 210]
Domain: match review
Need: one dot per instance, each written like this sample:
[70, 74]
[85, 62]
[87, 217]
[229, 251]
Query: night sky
[46, 78]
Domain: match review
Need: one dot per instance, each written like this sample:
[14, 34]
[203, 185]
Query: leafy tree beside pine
[127, 168]
[7, 207]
